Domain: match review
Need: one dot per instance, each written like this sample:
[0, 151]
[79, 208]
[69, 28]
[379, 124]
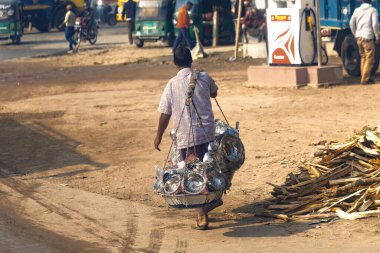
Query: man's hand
[162, 125]
[157, 143]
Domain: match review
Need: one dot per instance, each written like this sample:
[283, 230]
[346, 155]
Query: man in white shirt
[365, 27]
[70, 23]
[173, 105]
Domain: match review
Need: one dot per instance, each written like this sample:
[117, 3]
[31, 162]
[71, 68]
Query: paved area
[36, 44]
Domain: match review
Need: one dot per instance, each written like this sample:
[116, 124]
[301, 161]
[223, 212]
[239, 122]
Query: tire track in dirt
[131, 234]
[155, 239]
[181, 246]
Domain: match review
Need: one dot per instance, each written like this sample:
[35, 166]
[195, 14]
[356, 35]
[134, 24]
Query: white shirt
[364, 22]
[173, 101]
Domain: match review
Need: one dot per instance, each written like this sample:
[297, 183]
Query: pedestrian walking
[365, 27]
[183, 24]
[172, 102]
[70, 23]
[129, 10]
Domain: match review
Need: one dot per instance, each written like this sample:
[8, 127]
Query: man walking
[172, 103]
[129, 10]
[183, 24]
[364, 26]
[70, 23]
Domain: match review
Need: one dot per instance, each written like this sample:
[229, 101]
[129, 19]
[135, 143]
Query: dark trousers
[199, 151]
[130, 29]
[69, 36]
[183, 34]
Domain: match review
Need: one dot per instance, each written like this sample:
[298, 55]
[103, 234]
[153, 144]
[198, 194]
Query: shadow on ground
[28, 146]
[252, 226]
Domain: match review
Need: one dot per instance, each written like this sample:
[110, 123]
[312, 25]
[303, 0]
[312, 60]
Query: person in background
[129, 10]
[254, 25]
[365, 27]
[183, 24]
[70, 23]
[172, 103]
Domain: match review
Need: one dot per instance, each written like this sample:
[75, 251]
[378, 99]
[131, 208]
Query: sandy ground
[76, 156]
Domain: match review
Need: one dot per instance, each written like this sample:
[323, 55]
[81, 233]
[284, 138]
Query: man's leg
[186, 35]
[178, 39]
[245, 33]
[202, 213]
[68, 38]
[72, 36]
[129, 32]
[369, 49]
[199, 151]
[362, 57]
[132, 30]
[71, 33]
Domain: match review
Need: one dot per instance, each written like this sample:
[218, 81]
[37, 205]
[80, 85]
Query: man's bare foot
[202, 222]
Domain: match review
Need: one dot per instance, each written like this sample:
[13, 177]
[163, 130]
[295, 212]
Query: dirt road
[77, 158]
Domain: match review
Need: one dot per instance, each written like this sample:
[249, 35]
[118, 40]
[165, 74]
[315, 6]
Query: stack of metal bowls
[201, 183]
[226, 151]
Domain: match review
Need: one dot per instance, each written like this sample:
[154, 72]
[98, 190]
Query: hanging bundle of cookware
[197, 183]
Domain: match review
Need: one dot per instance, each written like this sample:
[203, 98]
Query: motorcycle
[105, 13]
[85, 30]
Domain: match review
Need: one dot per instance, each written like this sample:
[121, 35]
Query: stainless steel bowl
[173, 185]
[158, 186]
[233, 149]
[215, 180]
[194, 183]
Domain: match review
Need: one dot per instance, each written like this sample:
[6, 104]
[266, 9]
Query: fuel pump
[292, 34]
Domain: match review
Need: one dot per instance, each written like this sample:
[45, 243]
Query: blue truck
[46, 14]
[335, 15]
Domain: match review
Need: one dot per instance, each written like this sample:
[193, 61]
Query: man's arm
[162, 125]
[375, 25]
[124, 11]
[65, 20]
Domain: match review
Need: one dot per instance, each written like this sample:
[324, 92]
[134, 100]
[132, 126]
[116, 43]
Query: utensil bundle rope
[220, 108]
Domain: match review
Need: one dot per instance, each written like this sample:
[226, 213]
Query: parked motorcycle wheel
[111, 20]
[93, 36]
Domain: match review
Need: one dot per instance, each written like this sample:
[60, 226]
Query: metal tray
[187, 201]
